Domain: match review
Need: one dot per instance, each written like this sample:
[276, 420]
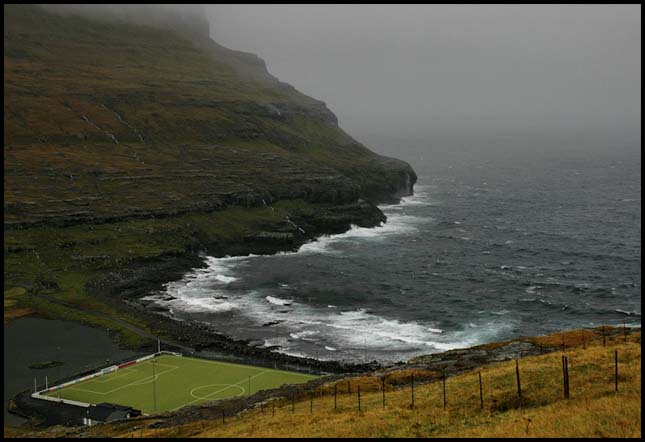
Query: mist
[478, 77]
[186, 19]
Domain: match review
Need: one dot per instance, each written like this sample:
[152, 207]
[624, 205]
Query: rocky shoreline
[124, 288]
[435, 367]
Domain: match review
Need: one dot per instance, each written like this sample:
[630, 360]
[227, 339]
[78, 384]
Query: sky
[455, 74]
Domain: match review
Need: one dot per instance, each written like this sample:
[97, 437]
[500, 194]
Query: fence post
[349, 388]
[444, 390]
[517, 373]
[293, 402]
[616, 370]
[564, 378]
[359, 397]
[481, 394]
[604, 344]
[335, 385]
[273, 409]
[412, 382]
[311, 403]
[223, 416]
[625, 330]
[383, 390]
[566, 371]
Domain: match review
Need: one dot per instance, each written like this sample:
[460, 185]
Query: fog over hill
[485, 78]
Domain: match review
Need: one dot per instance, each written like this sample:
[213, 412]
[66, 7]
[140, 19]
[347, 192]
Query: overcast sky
[451, 71]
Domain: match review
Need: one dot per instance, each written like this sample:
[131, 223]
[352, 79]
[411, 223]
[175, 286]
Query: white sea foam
[397, 224]
[225, 279]
[628, 312]
[278, 301]
[207, 290]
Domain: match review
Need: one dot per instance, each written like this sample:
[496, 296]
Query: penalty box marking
[133, 369]
[112, 378]
[248, 366]
[137, 382]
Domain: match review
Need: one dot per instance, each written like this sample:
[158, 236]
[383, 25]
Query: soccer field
[178, 381]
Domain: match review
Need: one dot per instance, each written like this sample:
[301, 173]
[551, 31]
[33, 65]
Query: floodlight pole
[158, 345]
[59, 360]
[154, 387]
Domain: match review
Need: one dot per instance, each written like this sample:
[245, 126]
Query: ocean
[485, 250]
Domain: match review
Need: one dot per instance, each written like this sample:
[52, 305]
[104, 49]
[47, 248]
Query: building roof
[106, 412]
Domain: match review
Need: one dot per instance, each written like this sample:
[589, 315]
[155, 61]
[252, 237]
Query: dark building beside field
[106, 412]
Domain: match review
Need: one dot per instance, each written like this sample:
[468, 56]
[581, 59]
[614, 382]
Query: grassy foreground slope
[594, 408]
[125, 144]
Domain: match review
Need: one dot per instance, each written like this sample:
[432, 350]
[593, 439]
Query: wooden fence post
[349, 388]
[517, 373]
[222, 415]
[383, 390]
[481, 394]
[616, 369]
[564, 378]
[444, 391]
[566, 375]
[604, 344]
[273, 409]
[625, 330]
[412, 383]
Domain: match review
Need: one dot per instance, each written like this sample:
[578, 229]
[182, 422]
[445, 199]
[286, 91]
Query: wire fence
[519, 386]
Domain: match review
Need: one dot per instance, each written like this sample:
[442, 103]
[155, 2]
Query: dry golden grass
[593, 410]
[12, 309]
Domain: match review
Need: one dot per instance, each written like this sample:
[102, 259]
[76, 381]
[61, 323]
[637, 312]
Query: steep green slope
[109, 117]
[127, 144]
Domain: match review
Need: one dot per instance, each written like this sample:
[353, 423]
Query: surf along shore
[124, 288]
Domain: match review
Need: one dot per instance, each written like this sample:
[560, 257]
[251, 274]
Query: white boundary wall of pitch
[40, 394]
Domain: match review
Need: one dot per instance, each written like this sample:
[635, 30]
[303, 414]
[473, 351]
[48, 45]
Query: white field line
[137, 382]
[242, 389]
[220, 390]
[246, 366]
[127, 373]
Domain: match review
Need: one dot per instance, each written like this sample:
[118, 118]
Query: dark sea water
[30, 340]
[484, 250]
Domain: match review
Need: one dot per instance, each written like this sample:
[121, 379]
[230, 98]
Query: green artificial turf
[178, 382]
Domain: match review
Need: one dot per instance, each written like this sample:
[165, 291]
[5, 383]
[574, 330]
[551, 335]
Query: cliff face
[128, 146]
[108, 120]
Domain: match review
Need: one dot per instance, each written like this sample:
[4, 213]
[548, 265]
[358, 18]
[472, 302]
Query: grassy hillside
[105, 119]
[126, 144]
[594, 408]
